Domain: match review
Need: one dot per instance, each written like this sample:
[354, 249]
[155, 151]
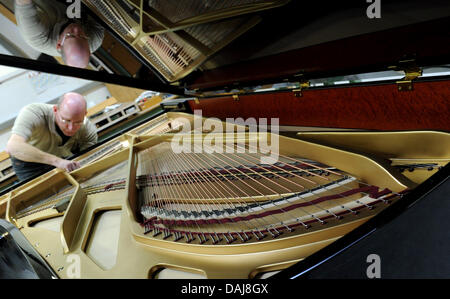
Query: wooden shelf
[104, 120]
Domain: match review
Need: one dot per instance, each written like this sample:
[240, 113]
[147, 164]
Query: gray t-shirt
[40, 24]
[36, 123]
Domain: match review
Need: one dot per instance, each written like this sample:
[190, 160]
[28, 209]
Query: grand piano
[304, 140]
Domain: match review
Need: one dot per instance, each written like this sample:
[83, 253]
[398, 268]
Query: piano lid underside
[176, 37]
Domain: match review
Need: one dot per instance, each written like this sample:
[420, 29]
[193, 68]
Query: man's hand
[67, 165]
[19, 148]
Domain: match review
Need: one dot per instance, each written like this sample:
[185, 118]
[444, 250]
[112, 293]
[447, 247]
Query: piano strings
[223, 196]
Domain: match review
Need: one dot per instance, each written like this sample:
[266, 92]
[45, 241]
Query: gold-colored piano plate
[140, 255]
[401, 144]
[396, 149]
[138, 259]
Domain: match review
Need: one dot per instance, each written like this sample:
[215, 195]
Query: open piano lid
[212, 45]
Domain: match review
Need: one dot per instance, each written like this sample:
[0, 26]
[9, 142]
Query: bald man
[44, 135]
[44, 25]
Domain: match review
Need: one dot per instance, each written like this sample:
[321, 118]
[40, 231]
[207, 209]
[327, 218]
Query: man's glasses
[74, 123]
[71, 35]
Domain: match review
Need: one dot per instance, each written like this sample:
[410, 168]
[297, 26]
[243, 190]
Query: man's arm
[34, 30]
[20, 149]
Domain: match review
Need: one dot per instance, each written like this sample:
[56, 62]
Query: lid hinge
[298, 91]
[411, 70]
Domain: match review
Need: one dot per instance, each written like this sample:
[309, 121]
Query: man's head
[74, 46]
[70, 113]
